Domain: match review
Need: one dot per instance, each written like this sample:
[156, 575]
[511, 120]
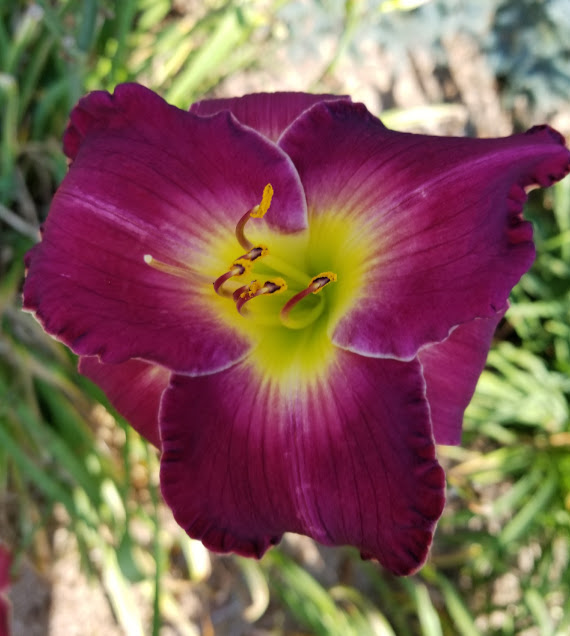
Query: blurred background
[94, 549]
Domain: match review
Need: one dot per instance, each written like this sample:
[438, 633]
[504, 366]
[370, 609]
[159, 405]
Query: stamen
[174, 270]
[257, 212]
[239, 267]
[246, 290]
[321, 280]
[253, 290]
[314, 287]
[255, 253]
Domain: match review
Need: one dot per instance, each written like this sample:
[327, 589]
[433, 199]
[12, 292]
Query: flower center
[277, 274]
[272, 291]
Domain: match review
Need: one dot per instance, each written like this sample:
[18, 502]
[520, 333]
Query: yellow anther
[273, 286]
[254, 253]
[259, 211]
[241, 266]
[250, 290]
[318, 282]
[237, 268]
[254, 289]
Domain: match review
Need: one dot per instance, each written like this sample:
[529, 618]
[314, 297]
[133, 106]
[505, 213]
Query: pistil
[174, 270]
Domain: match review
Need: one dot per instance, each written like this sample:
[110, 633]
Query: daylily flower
[291, 301]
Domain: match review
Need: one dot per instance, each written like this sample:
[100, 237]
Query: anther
[255, 253]
[246, 290]
[314, 287]
[239, 267]
[254, 289]
[257, 212]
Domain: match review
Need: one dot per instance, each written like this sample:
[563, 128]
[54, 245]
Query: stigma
[173, 270]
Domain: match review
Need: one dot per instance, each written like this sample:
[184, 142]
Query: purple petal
[435, 221]
[347, 459]
[5, 565]
[134, 388]
[268, 113]
[451, 371]
[150, 179]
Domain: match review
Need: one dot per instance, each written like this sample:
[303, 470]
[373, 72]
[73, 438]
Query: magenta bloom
[291, 301]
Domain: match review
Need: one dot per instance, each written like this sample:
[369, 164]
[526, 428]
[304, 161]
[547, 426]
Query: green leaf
[426, 612]
[229, 32]
[305, 597]
[522, 521]
[539, 610]
[51, 488]
[464, 622]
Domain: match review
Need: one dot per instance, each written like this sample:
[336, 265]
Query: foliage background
[95, 550]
